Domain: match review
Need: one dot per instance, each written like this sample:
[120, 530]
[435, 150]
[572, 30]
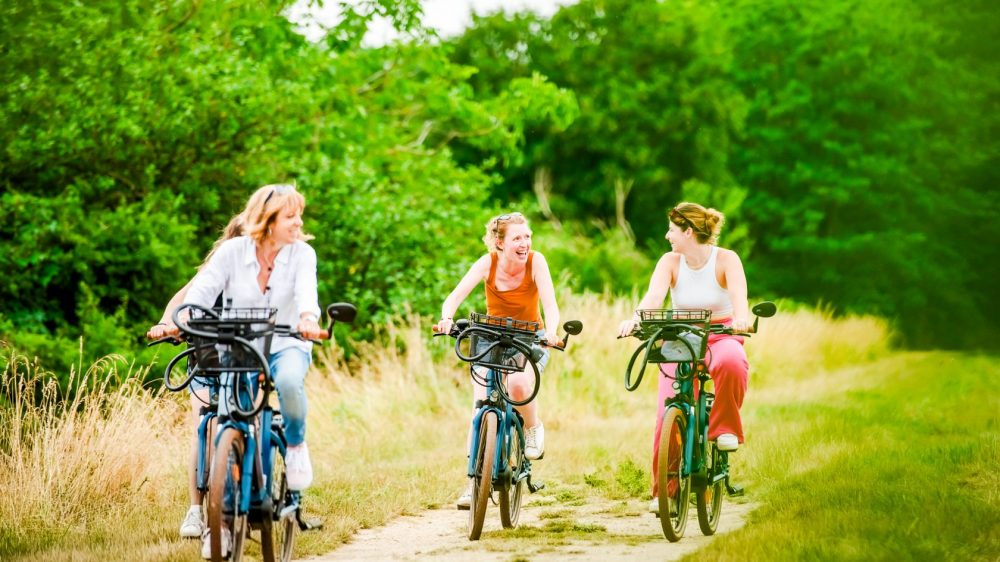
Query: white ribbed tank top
[698, 289]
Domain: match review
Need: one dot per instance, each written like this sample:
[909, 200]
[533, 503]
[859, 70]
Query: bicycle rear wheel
[513, 486]
[672, 486]
[482, 481]
[709, 500]
[224, 494]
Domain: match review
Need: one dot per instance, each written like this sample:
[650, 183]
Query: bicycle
[687, 459]
[246, 485]
[496, 457]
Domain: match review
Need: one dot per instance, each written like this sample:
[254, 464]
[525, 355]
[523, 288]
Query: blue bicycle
[496, 459]
[244, 478]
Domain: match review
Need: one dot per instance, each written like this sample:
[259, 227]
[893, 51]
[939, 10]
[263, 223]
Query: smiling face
[287, 225]
[680, 238]
[516, 243]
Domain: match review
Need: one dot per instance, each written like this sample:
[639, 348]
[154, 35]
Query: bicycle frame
[507, 417]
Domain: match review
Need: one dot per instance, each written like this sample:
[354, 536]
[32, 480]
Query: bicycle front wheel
[224, 495]
[673, 487]
[513, 486]
[482, 481]
[709, 500]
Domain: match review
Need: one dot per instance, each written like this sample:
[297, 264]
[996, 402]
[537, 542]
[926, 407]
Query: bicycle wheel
[513, 486]
[277, 536]
[709, 500]
[224, 493]
[673, 486]
[482, 482]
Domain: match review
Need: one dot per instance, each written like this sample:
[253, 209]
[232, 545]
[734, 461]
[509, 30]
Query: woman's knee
[520, 386]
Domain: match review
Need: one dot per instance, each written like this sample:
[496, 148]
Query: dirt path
[585, 532]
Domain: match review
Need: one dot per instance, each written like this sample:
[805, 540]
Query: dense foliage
[132, 131]
[852, 144]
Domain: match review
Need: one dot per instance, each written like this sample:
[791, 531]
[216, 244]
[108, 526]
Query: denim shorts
[512, 354]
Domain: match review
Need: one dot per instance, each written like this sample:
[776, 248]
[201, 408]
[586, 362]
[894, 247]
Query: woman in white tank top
[700, 275]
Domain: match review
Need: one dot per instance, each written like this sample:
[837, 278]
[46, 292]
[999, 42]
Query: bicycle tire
[277, 538]
[227, 475]
[482, 480]
[671, 484]
[513, 486]
[709, 500]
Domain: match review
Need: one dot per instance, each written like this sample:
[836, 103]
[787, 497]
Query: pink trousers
[728, 367]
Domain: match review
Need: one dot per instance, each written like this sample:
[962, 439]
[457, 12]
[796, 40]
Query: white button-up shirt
[232, 270]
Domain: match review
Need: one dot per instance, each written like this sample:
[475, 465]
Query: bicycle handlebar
[506, 338]
[764, 309]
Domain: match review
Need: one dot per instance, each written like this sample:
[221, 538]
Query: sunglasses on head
[504, 217]
[280, 190]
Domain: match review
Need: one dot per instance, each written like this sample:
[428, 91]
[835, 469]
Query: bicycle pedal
[535, 487]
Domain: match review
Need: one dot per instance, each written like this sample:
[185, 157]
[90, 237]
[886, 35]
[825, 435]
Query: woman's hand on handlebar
[553, 340]
[626, 328]
[309, 329]
[443, 326]
[163, 330]
[741, 325]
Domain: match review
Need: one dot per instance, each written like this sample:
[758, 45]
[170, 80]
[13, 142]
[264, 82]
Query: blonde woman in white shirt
[272, 265]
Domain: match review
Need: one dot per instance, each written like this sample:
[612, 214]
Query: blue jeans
[288, 371]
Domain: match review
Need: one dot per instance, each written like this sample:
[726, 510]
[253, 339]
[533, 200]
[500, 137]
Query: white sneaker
[206, 543]
[727, 442]
[192, 525]
[464, 502]
[298, 468]
[654, 507]
[534, 442]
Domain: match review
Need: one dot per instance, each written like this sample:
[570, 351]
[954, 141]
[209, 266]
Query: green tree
[133, 131]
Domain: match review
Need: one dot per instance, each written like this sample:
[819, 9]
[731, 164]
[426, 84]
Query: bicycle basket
[502, 358]
[667, 326]
[224, 325]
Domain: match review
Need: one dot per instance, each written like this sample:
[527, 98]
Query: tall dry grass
[103, 477]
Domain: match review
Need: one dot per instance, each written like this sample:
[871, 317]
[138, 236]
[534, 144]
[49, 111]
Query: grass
[854, 451]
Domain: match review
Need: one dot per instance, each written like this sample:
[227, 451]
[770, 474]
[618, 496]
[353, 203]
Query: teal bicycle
[687, 462]
[496, 458]
[241, 467]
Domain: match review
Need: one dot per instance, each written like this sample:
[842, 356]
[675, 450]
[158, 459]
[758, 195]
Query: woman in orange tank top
[517, 279]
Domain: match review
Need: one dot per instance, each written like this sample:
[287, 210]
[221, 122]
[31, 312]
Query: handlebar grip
[324, 334]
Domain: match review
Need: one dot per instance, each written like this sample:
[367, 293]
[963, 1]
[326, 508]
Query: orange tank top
[519, 303]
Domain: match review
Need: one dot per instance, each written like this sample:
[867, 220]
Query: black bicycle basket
[224, 324]
[503, 358]
[674, 343]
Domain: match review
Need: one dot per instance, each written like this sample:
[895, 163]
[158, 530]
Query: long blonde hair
[265, 204]
[232, 230]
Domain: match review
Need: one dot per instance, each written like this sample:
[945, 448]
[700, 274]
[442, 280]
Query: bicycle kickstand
[308, 524]
[733, 490]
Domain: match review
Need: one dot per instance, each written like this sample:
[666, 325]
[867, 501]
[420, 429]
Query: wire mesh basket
[674, 344]
[225, 323]
[505, 323]
[675, 315]
[504, 358]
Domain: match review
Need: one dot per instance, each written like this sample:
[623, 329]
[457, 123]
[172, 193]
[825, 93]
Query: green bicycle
[687, 462]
